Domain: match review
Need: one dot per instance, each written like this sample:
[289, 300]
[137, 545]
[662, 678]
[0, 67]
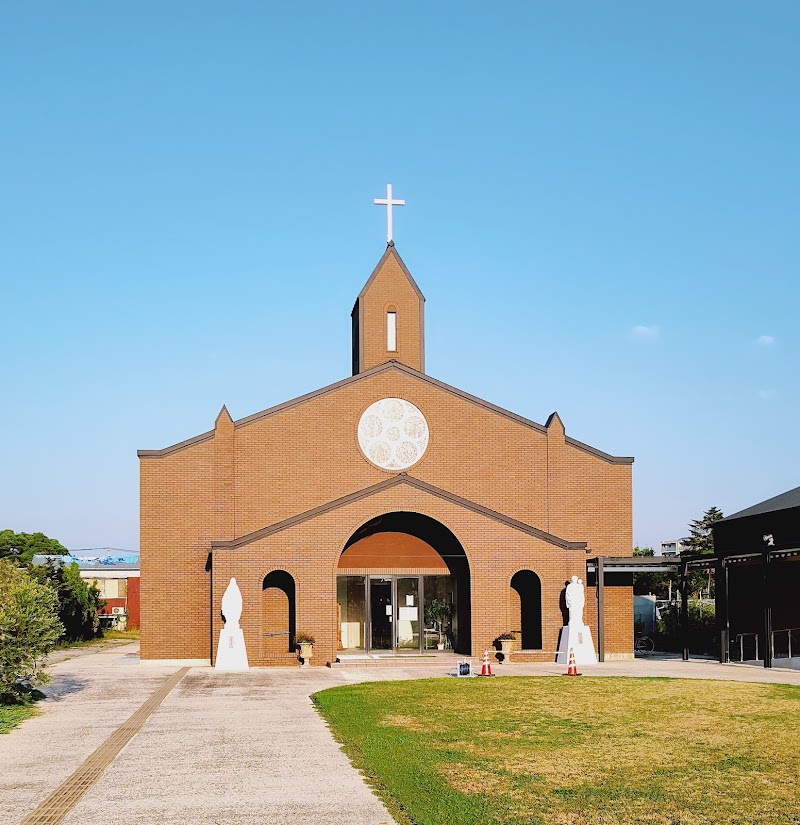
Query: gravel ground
[227, 748]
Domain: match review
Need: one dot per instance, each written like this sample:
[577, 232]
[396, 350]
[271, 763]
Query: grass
[12, 715]
[587, 751]
[126, 635]
[108, 636]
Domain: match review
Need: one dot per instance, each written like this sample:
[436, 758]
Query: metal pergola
[682, 565]
[602, 565]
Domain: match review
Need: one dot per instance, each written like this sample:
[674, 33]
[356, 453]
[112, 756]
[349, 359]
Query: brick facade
[287, 488]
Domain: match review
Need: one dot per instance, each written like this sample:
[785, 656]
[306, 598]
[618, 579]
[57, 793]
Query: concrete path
[220, 747]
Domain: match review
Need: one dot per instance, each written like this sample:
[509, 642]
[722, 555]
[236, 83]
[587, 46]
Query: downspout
[210, 571]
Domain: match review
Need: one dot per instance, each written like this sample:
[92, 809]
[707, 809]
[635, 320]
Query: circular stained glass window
[393, 434]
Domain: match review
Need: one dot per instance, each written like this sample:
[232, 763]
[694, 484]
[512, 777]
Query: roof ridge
[391, 252]
[391, 364]
[400, 478]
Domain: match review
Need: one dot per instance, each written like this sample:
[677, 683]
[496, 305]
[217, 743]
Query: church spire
[388, 316]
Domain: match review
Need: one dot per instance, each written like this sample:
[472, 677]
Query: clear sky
[602, 211]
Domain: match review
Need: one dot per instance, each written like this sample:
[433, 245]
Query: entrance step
[347, 660]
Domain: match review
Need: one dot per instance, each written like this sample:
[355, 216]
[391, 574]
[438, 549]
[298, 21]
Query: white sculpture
[576, 599]
[232, 605]
[576, 636]
[231, 652]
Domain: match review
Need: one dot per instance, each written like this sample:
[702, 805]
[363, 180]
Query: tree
[78, 601]
[701, 538]
[29, 629]
[646, 583]
[438, 613]
[701, 541]
[22, 546]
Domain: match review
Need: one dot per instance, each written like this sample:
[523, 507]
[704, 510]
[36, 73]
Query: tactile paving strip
[66, 795]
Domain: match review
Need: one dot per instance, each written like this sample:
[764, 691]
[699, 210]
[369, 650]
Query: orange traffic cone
[572, 669]
[486, 668]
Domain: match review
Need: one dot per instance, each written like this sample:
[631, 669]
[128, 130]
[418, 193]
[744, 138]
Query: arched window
[278, 612]
[529, 588]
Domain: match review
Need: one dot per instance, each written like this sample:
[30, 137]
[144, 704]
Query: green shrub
[703, 636]
[78, 601]
[29, 629]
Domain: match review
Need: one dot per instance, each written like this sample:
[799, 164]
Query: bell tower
[388, 317]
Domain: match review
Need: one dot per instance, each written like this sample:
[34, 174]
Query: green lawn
[588, 751]
[12, 715]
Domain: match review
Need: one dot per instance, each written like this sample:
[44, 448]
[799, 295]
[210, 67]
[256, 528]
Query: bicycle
[644, 646]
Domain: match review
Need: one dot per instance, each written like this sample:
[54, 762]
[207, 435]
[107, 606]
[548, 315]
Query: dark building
[758, 584]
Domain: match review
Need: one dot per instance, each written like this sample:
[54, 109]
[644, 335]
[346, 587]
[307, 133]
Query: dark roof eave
[635, 564]
[783, 501]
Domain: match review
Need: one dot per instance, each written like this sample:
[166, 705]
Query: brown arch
[392, 550]
[420, 537]
[529, 589]
[278, 611]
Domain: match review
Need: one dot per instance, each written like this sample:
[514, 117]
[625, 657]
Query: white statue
[576, 599]
[232, 605]
[231, 652]
[575, 640]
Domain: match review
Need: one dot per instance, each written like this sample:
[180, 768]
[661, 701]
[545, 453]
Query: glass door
[408, 607]
[381, 614]
[395, 613]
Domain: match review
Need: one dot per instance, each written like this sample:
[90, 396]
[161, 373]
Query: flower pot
[306, 652]
[505, 646]
[440, 646]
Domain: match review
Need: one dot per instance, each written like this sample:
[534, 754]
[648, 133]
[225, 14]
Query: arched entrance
[277, 612]
[403, 585]
[529, 589]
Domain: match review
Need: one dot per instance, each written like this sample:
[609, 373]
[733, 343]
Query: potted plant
[304, 641]
[506, 640]
[437, 614]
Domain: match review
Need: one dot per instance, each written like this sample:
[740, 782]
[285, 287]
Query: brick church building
[353, 510]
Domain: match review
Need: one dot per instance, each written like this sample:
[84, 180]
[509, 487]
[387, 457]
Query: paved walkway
[196, 746]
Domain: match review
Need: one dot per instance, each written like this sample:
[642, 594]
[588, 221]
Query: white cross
[388, 203]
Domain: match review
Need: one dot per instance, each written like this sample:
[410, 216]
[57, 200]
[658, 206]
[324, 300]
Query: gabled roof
[389, 365]
[391, 252]
[402, 478]
[784, 501]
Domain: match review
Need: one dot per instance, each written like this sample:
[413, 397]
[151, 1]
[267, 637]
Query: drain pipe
[210, 571]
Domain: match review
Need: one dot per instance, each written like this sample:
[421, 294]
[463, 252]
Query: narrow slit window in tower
[391, 331]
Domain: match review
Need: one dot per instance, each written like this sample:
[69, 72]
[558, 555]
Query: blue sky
[602, 211]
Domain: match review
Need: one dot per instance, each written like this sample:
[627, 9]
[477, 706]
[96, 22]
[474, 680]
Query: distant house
[116, 575]
[674, 547]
